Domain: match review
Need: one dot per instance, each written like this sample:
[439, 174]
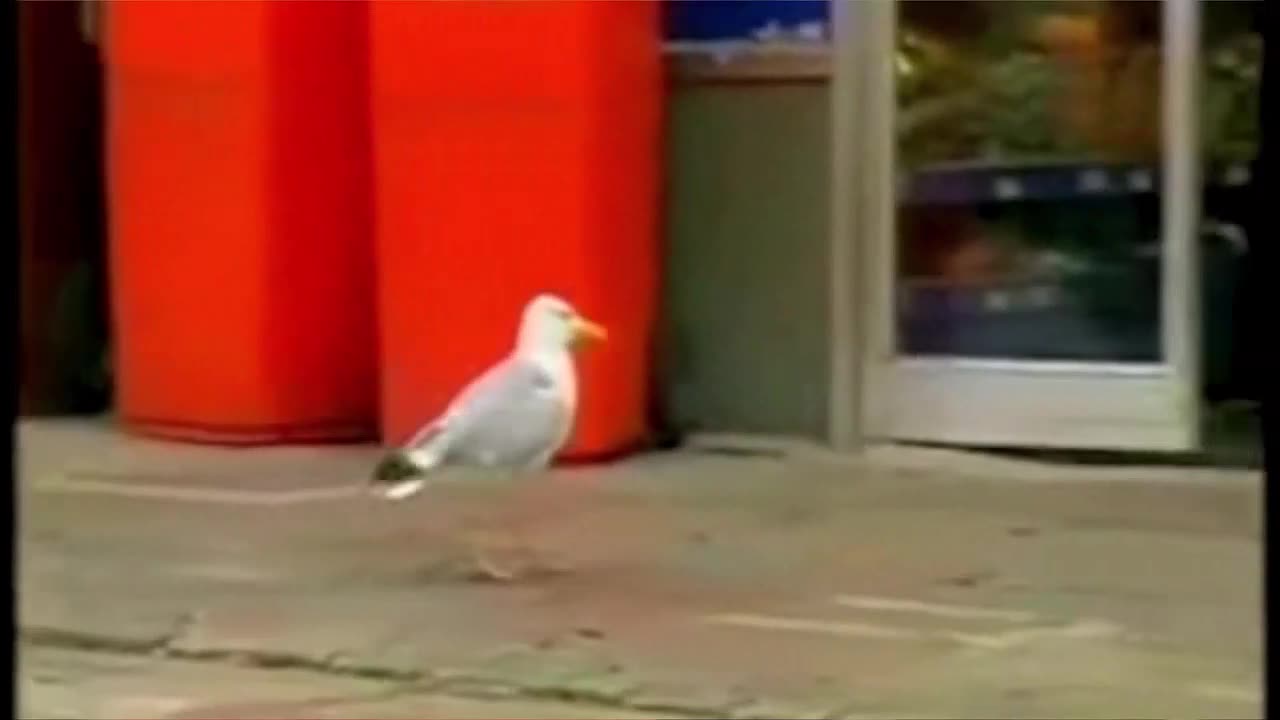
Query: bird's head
[551, 323]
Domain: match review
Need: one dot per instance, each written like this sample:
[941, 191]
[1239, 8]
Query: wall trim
[739, 62]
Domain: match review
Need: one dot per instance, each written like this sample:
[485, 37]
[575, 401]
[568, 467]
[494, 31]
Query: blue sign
[737, 19]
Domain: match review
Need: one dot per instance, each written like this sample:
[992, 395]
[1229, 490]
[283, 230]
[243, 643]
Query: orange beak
[585, 331]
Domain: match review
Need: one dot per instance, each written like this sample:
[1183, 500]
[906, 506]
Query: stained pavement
[791, 584]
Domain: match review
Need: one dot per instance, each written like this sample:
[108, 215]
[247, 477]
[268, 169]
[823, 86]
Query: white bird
[516, 416]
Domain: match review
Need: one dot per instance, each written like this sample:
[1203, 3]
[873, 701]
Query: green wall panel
[744, 340]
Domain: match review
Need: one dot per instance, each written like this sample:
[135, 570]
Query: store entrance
[1062, 235]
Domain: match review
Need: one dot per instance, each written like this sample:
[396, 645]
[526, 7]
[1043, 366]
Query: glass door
[1032, 268]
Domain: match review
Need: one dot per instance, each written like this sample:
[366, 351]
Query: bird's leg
[509, 516]
[501, 537]
[535, 502]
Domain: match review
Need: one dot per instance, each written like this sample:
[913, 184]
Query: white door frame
[879, 396]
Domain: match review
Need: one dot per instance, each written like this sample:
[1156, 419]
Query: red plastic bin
[240, 219]
[517, 150]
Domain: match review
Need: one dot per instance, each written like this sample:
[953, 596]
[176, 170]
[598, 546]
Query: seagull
[514, 417]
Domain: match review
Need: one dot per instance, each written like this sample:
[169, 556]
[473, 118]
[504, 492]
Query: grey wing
[510, 417]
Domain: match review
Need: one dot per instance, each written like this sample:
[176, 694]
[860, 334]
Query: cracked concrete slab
[56, 684]
[70, 684]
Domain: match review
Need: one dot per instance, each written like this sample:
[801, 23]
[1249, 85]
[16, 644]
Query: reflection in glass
[1028, 147]
[1231, 66]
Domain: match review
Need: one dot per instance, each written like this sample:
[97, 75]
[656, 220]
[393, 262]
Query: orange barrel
[241, 258]
[516, 151]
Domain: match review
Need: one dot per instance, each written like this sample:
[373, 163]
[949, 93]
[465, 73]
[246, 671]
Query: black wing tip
[394, 467]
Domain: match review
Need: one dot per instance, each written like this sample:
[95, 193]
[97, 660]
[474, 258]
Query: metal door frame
[878, 396]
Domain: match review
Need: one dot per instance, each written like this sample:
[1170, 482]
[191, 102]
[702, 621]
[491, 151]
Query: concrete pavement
[68, 685]
[911, 584]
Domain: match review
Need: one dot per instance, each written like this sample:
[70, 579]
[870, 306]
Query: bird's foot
[484, 569]
[524, 564]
